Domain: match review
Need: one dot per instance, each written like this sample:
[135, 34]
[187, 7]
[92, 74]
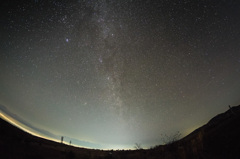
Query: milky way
[108, 74]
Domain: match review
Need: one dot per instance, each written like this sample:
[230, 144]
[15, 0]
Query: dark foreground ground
[218, 139]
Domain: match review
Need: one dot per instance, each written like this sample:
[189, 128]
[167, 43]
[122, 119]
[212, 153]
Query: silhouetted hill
[218, 139]
[17, 144]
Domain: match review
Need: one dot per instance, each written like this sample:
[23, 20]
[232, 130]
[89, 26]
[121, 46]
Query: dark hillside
[218, 139]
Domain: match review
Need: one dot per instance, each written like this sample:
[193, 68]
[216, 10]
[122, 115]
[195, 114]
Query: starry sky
[110, 73]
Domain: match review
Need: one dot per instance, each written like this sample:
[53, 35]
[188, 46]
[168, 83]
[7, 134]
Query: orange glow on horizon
[23, 127]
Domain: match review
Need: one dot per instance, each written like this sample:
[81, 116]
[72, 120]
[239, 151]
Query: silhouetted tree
[168, 139]
[138, 146]
[70, 142]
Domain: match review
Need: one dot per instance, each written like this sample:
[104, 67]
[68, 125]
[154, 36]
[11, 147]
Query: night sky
[109, 74]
